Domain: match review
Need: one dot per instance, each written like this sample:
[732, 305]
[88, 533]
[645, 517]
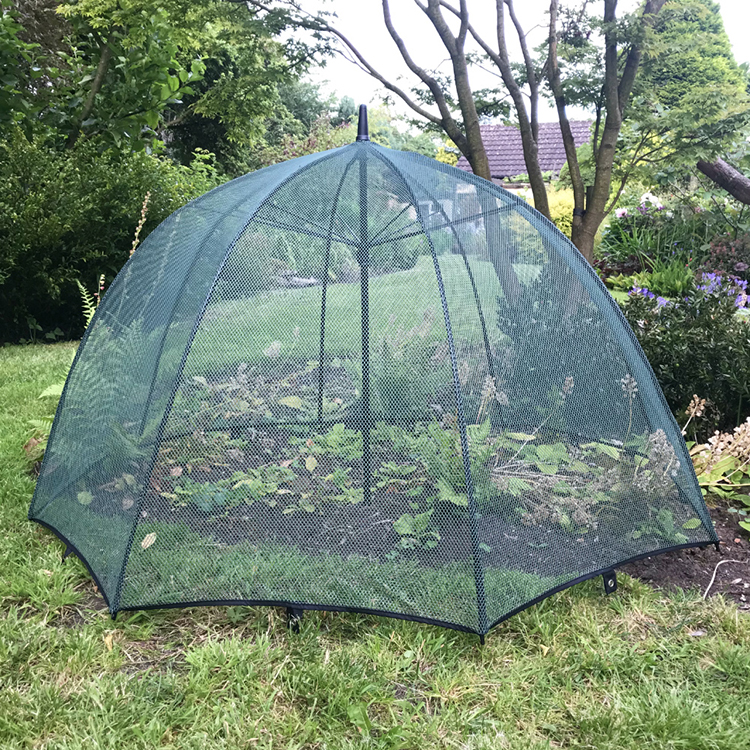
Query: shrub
[722, 466]
[730, 255]
[698, 345]
[670, 279]
[653, 231]
[561, 205]
[67, 215]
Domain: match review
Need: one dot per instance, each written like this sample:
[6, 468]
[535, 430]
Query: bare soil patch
[693, 568]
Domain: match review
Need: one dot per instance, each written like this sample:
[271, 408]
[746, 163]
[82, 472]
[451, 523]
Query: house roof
[505, 151]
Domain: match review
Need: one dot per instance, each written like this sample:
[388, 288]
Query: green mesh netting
[362, 380]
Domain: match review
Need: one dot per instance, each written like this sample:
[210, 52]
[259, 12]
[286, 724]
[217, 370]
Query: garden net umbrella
[362, 380]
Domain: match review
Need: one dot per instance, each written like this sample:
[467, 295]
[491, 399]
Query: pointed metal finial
[362, 133]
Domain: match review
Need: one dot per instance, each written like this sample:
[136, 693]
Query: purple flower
[642, 290]
[661, 302]
[740, 267]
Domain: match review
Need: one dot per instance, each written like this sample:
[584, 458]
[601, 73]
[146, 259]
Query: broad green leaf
[725, 465]
[357, 714]
[293, 402]
[404, 525]
[311, 463]
[478, 433]
[152, 118]
[692, 523]
[517, 486]
[607, 450]
[421, 522]
[85, 498]
[552, 453]
[546, 468]
[522, 436]
[562, 488]
[448, 494]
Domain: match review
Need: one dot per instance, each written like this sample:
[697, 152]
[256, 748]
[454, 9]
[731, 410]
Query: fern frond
[43, 425]
[89, 303]
[55, 390]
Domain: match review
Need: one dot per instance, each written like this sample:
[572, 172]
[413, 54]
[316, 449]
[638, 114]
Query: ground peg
[294, 616]
[610, 581]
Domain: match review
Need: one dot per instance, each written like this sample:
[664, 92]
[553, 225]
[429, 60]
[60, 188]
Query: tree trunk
[617, 90]
[536, 176]
[728, 178]
[582, 237]
[477, 157]
[571, 155]
[105, 55]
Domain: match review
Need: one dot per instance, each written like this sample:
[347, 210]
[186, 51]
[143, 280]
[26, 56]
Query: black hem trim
[595, 574]
[365, 610]
[71, 548]
[301, 605]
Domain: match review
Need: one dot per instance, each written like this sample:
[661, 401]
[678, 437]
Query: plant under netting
[362, 380]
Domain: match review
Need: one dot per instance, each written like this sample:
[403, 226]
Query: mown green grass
[580, 670]
[240, 330]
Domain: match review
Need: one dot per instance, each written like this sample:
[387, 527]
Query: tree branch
[313, 23]
[105, 55]
[728, 178]
[530, 71]
[502, 61]
[611, 93]
[579, 191]
[477, 154]
[633, 59]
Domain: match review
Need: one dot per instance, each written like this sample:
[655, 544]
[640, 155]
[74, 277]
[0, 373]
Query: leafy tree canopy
[131, 73]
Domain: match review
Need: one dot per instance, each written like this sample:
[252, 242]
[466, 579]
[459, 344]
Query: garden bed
[692, 569]
[368, 531]
[545, 504]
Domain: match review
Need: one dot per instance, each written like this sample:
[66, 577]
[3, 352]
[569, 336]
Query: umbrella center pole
[364, 265]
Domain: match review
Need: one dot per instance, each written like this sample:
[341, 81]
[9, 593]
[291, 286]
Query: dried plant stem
[713, 577]
[630, 421]
[141, 222]
[533, 434]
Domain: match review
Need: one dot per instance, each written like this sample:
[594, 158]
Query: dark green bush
[698, 345]
[67, 215]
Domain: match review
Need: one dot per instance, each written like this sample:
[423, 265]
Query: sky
[362, 22]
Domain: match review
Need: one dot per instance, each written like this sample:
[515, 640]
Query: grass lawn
[638, 669]
[240, 330]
